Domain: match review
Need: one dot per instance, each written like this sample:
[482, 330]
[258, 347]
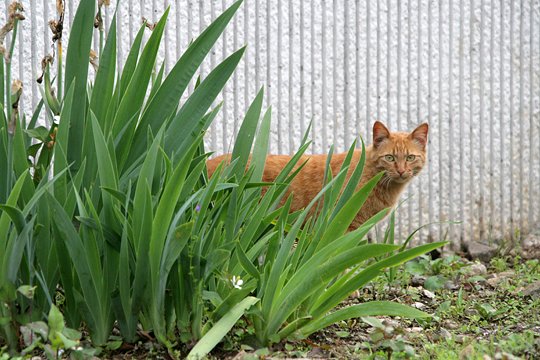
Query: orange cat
[401, 155]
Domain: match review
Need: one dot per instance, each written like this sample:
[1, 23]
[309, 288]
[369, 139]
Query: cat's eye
[389, 158]
[411, 157]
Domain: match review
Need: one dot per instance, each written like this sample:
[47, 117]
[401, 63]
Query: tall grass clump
[109, 220]
[297, 262]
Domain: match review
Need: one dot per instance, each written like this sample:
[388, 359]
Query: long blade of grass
[156, 82]
[334, 195]
[352, 184]
[16, 216]
[372, 308]
[104, 84]
[131, 62]
[162, 105]
[246, 134]
[334, 295]
[173, 248]
[132, 101]
[5, 169]
[179, 135]
[14, 253]
[348, 212]
[77, 252]
[20, 160]
[61, 145]
[316, 273]
[106, 170]
[77, 62]
[12, 202]
[220, 329]
[165, 209]
[260, 149]
[143, 226]
[142, 223]
[269, 305]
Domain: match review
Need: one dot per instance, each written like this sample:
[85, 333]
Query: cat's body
[401, 155]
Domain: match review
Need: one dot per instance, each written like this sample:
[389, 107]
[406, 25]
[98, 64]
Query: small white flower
[237, 282]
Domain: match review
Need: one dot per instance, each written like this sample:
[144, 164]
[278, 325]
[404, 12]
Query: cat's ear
[380, 133]
[419, 135]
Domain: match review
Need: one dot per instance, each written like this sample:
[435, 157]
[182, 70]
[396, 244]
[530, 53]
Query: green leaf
[12, 202]
[127, 321]
[372, 308]
[20, 162]
[246, 262]
[373, 321]
[16, 216]
[35, 114]
[39, 328]
[98, 314]
[316, 273]
[27, 291]
[138, 84]
[132, 101]
[434, 283]
[40, 133]
[144, 180]
[156, 82]
[334, 296]
[183, 128]
[55, 321]
[77, 60]
[278, 266]
[352, 184]
[105, 76]
[487, 311]
[50, 99]
[246, 134]
[61, 146]
[415, 268]
[106, 168]
[67, 342]
[131, 61]
[163, 104]
[15, 250]
[166, 206]
[143, 231]
[260, 149]
[173, 248]
[220, 329]
[348, 212]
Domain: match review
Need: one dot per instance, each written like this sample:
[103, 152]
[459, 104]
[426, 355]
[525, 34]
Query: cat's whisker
[386, 180]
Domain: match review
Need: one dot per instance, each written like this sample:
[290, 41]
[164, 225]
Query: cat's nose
[400, 172]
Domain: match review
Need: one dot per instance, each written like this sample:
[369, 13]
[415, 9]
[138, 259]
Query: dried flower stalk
[15, 10]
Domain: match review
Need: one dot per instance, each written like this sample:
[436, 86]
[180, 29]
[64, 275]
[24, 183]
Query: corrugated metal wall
[469, 68]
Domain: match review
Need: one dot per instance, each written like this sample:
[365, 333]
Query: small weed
[499, 264]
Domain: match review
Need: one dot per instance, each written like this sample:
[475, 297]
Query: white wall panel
[470, 68]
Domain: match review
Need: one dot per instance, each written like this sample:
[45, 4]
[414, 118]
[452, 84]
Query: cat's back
[313, 165]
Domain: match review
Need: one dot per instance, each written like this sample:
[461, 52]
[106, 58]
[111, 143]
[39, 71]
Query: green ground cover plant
[109, 221]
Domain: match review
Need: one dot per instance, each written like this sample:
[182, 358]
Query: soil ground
[480, 311]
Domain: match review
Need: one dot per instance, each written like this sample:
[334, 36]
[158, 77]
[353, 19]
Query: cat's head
[401, 154]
